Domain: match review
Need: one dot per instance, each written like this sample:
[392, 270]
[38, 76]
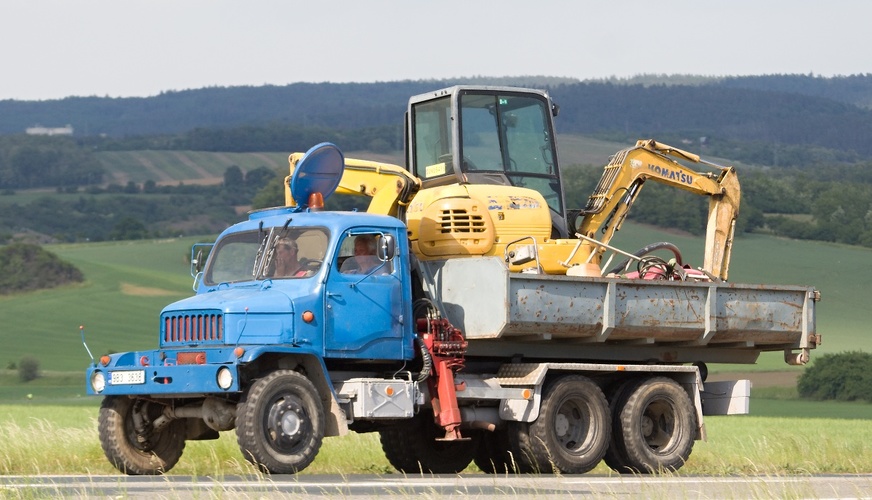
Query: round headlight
[225, 378]
[98, 381]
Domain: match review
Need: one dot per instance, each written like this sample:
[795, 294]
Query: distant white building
[40, 130]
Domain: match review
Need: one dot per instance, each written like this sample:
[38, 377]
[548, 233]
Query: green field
[127, 284]
[170, 167]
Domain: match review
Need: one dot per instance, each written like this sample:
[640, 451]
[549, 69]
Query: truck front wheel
[658, 426]
[280, 424]
[130, 441]
[572, 432]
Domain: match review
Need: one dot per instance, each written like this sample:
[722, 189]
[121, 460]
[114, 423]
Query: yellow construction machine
[482, 179]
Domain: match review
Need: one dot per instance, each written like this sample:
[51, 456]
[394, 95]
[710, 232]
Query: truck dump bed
[502, 313]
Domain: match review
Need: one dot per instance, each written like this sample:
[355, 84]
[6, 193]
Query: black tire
[571, 434]
[495, 454]
[156, 453]
[658, 426]
[411, 447]
[280, 425]
[616, 455]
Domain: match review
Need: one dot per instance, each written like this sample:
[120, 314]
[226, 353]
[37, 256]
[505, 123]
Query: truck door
[364, 301]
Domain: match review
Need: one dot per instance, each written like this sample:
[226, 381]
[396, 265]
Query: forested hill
[831, 113]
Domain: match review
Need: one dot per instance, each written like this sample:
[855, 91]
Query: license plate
[131, 377]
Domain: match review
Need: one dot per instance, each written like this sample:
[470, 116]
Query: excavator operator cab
[483, 135]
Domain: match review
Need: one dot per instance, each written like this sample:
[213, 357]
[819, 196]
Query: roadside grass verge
[63, 439]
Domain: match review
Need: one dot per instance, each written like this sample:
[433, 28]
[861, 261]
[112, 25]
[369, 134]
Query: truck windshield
[278, 253]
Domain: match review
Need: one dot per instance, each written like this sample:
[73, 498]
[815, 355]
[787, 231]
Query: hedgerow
[845, 376]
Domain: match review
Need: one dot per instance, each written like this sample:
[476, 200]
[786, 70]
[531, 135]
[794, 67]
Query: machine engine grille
[460, 221]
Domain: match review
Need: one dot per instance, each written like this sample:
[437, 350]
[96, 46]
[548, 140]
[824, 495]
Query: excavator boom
[626, 173]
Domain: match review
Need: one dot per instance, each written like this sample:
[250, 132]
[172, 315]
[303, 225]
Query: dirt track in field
[760, 379]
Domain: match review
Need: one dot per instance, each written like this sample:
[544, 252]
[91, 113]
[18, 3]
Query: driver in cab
[287, 262]
[364, 259]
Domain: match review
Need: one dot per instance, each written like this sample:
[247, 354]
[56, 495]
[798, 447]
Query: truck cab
[243, 270]
[284, 301]
[244, 310]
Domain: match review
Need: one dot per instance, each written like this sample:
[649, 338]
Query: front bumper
[126, 374]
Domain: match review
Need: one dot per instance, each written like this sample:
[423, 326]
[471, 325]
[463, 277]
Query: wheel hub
[291, 423]
[561, 425]
[647, 426]
[286, 424]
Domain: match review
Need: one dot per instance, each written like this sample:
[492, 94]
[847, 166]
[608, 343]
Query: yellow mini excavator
[482, 179]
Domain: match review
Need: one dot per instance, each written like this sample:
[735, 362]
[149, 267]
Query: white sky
[56, 48]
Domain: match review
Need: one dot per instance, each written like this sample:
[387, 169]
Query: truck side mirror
[199, 254]
[387, 247]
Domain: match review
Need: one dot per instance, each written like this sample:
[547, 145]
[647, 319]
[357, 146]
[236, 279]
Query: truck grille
[460, 221]
[188, 327]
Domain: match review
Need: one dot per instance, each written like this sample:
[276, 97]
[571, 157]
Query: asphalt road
[468, 486]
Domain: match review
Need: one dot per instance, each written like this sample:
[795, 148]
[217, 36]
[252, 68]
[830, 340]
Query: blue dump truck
[457, 319]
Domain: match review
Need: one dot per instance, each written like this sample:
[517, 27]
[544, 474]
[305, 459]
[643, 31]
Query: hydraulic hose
[653, 247]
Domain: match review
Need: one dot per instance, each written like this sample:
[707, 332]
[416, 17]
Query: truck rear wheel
[146, 452]
[411, 447]
[572, 432]
[658, 426]
[616, 456]
[280, 424]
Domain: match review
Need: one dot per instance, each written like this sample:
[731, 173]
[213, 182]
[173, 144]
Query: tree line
[832, 113]
[137, 211]
[829, 204]
[32, 161]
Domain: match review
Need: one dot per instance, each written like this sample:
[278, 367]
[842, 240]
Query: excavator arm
[390, 186]
[625, 175]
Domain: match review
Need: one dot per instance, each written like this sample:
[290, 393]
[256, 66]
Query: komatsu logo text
[672, 175]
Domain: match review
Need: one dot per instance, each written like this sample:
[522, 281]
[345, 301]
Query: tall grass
[767, 445]
[50, 439]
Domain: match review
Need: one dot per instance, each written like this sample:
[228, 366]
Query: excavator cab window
[433, 139]
[507, 139]
[487, 135]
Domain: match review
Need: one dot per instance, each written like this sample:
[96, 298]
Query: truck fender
[522, 410]
[271, 357]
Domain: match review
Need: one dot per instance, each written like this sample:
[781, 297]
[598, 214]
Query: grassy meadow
[62, 439]
[127, 284]
[170, 167]
[49, 426]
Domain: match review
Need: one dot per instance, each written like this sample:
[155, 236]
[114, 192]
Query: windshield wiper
[258, 261]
